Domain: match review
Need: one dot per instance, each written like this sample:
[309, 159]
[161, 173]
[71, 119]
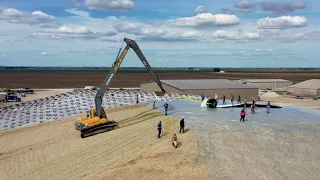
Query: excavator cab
[92, 124]
[89, 114]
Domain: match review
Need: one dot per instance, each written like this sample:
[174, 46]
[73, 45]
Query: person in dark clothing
[224, 99]
[166, 108]
[159, 129]
[182, 125]
[232, 99]
[137, 99]
[239, 99]
[154, 104]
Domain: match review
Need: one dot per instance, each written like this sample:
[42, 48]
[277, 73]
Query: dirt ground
[133, 151]
[291, 101]
[255, 152]
[38, 94]
[63, 79]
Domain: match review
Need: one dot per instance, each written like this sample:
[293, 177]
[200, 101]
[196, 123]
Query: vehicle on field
[13, 98]
[299, 97]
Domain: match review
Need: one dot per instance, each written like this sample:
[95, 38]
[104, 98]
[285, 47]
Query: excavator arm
[107, 82]
[144, 61]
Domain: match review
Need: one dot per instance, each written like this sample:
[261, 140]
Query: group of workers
[174, 138]
[245, 101]
[243, 114]
[231, 98]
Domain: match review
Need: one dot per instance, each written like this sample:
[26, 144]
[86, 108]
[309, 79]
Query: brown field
[80, 79]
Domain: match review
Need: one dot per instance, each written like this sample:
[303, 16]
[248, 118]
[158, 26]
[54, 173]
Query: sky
[179, 33]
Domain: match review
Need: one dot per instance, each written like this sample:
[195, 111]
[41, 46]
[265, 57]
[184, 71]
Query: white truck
[90, 88]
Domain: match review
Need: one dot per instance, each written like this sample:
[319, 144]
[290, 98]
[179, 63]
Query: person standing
[137, 99]
[175, 140]
[166, 108]
[182, 125]
[154, 104]
[224, 99]
[243, 115]
[232, 99]
[159, 129]
[245, 102]
[202, 97]
[216, 97]
[253, 106]
[268, 107]
[239, 99]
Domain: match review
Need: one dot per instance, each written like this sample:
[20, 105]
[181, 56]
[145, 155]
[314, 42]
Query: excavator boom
[107, 82]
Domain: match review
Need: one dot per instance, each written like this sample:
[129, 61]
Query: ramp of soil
[56, 151]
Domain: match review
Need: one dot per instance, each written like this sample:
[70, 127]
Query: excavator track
[111, 125]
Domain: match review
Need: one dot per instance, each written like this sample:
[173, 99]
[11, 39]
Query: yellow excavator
[96, 120]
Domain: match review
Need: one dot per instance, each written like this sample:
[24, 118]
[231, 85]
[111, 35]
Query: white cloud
[40, 17]
[310, 36]
[46, 54]
[64, 29]
[16, 16]
[238, 36]
[223, 34]
[207, 20]
[64, 32]
[251, 35]
[244, 4]
[78, 12]
[112, 18]
[134, 28]
[110, 5]
[283, 22]
[11, 13]
[156, 33]
[201, 9]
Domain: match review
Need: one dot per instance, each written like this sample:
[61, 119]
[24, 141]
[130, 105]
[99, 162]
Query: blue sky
[180, 33]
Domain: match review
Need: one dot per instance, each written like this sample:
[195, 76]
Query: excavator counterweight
[96, 120]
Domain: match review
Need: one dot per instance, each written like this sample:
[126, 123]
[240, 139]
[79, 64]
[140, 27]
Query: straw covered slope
[133, 151]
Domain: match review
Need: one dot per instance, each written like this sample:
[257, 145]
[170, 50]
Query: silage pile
[270, 94]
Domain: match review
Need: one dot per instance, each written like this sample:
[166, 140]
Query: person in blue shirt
[159, 129]
[202, 97]
[268, 107]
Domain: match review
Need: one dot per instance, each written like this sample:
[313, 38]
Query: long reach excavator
[96, 120]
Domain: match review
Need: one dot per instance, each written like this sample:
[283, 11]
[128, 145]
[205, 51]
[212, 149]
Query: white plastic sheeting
[69, 104]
